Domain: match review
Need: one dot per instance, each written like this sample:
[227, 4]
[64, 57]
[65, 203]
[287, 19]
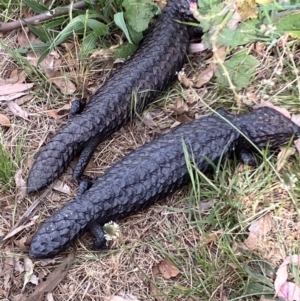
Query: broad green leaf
[240, 67]
[244, 34]
[289, 24]
[88, 44]
[35, 6]
[135, 36]
[41, 33]
[125, 50]
[99, 28]
[36, 47]
[74, 25]
[120, 22]
[54, 23]
[138, 13]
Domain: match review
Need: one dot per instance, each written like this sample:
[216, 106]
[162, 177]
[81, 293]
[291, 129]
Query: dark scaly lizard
[156, 169]
[130, 88]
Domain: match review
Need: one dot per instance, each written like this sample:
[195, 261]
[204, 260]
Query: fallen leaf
[4, 120]
[176, 123]
[153, 288]
[20, 184]
[283, 156]
[19, 266]
[180, 107]
[28, 266]
[167, 268]
[20, 228]
[247, 9]
[15, 88]
[282, 274]
[12, 96]
[289, 291]
[7, 268]
[63, 83]
[190, 96]
[21, 100]
[59, 113]
[185, 81]
[260, 47]
[17, 110]
[62, 187]
[184, 119]
[53, 279]
[205, 76]
[258, 229]
[296, 119]
[297, 145]
[148, 120]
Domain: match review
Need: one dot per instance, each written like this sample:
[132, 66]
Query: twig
[30, 211]
[4, 27]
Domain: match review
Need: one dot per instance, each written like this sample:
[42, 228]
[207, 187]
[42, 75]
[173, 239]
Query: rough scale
[155, 170]
[130, 88]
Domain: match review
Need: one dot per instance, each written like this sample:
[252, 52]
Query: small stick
[4, 27]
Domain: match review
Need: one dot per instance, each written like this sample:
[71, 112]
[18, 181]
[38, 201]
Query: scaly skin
[130, 88]
[156, 169]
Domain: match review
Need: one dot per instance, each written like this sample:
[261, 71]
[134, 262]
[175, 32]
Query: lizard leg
[245, 156]
[84, 158]
[77, 107]
[99, 234]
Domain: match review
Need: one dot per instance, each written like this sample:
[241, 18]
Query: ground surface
[194, 245]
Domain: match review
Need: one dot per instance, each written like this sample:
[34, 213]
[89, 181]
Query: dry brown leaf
[167, 268]
[296, 119]
[62, 187]
[7, 268]
[20, 184]
[12, 96]
[283, 156]
[258, 229]
[14, 88]
[19, 266]
[4, 120]
[205, 76]
[186, 82]
[219, 55]
[282, 272]
[17, 110]
[247, 9]
[26, 38]
[148, 120]
[176, 123]
[190, 97]
[297, 145]
[184, 119]
[20, 228]
[180, 107]
[21, 100]
[59, 113]
[53, 279]
[153, 287]
[63, 83]
[259, 48]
